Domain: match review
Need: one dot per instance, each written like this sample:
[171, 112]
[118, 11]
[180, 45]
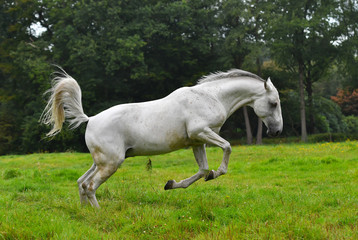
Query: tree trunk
[259, 122]
[309, 90]
[248, 126]
[302, 104]
[238, 62]
[259, 132]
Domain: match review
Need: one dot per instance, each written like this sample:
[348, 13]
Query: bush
[329, 117]
[34, 138]
[332, 137]
[352, 124]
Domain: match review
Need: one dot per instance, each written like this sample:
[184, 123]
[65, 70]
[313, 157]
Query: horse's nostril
[278, 133]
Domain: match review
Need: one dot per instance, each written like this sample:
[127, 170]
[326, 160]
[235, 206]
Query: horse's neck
[236, 93]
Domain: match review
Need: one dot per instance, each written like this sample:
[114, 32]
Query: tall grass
[296, 191]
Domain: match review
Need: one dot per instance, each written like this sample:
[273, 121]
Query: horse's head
[267, 106]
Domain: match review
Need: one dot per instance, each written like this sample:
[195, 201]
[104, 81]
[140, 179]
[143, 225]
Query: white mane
[233, 73]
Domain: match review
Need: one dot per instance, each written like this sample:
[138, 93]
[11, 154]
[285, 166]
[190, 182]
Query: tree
[181, 40]
[126, 51]
[348, 101]
[117, 50]
[347, 22]
[301, 37]
[330, 120]
[242, 31]
[258, 10]
[15, 90]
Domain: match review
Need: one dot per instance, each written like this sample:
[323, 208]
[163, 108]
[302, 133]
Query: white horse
[189, 116]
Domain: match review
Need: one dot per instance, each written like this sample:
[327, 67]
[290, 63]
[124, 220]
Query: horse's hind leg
[83, 196]
[106, 165]
[200, 157]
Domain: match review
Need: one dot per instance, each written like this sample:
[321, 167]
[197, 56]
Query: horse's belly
[152, 149]
[158, 144]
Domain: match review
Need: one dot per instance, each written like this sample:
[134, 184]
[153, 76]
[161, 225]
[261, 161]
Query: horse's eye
[274, 104]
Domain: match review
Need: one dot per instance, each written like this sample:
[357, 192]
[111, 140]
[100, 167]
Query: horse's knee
[79, 182]
[227, 148]
[88, 188]
[91, 184]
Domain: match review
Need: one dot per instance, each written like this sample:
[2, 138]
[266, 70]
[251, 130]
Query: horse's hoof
[210, 176]
[169, 185]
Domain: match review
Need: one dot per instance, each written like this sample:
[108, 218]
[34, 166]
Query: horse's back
[146, 128]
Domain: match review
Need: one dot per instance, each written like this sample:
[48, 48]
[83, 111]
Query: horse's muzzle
[273, 132]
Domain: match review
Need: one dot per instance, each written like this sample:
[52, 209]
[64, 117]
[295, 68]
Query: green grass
[296, 191]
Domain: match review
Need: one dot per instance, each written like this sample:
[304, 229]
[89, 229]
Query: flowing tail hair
[64, 103]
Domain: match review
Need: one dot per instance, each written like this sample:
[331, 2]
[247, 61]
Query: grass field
[295, 191]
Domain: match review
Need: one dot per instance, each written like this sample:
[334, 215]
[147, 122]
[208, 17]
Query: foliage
[328, 116]
[352, 124]
[129, 51]
[348, 42]
[294, 191]
[8, 132]
[301, 36]
[348, 101]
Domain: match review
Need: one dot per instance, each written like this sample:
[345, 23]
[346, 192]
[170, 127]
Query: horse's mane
[233, 73]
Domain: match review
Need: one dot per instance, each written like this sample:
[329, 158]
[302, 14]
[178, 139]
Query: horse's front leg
[209, 136]
[200, 157]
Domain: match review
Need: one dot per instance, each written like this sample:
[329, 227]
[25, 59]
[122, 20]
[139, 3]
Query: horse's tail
[64, 103]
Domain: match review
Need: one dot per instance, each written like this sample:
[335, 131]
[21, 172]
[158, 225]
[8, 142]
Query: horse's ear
[268, 84]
